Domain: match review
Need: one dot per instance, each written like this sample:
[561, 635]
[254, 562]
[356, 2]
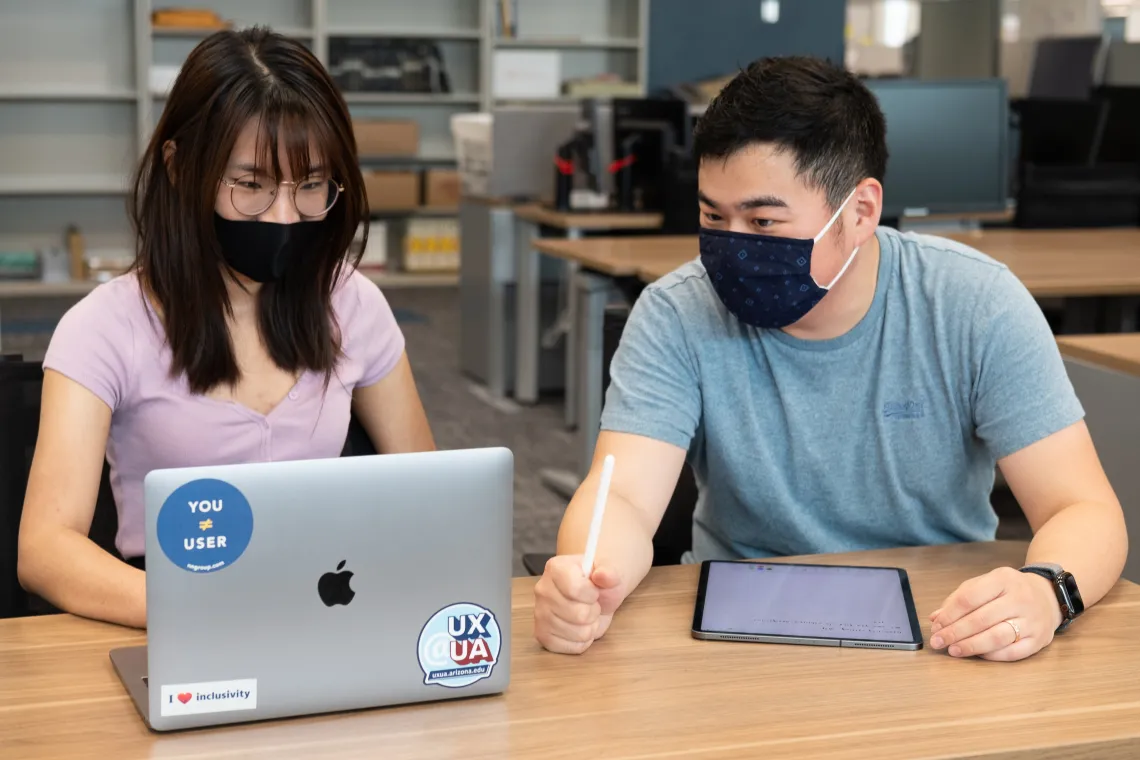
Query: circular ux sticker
[459, 645]
[205, 525]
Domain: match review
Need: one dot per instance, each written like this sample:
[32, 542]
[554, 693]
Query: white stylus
[599, 511]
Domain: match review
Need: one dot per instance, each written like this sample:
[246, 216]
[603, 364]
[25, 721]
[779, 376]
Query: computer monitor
[948, 144]
[1067, 67]
[650, 131]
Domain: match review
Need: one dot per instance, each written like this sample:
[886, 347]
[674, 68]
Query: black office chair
[674, 535]
[21, 384]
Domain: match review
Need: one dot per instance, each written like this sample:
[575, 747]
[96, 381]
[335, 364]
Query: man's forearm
[625, 545]
[1090, 541]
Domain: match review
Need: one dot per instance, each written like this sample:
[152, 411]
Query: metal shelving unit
[76, 109]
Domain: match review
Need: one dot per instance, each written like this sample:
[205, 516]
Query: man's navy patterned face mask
[765, 281]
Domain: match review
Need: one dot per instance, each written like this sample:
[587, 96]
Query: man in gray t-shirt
[869, 418]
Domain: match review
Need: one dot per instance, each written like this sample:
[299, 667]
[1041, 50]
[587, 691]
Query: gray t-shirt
[885, 436]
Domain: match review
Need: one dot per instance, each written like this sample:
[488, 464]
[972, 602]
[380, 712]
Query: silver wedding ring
[1016, 631]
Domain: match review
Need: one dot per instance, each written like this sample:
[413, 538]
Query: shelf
[412, 98]
[441, 33]
[568, 43]
[387, 279]
[94, 95]
[422, 211]
[302, 33]
[560, 101]
[63, 184]
[443, 153]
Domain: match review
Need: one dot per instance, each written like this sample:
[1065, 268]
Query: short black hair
[823, 114]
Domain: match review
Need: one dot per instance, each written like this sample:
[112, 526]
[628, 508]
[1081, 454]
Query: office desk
[528, 219]
[649, 690]
[1105, 371]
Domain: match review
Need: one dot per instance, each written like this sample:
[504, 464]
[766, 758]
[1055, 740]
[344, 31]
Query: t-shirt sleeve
[1021, 392]
[654, 389]
[374, 340]
[94, 345]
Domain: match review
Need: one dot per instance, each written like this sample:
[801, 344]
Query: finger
[981, 619]
[559, 645]
[555, 626]
[575, 613]
[1019, 651]
[572, 585]
[605, 578]
[970, 596]
[936, 613]
[992, 639]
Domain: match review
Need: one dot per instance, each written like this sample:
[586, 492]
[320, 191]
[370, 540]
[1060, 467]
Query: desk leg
[570, 275]
[590, 295]
[528, 315]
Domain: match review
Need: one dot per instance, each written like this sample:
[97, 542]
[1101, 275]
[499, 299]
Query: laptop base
[131, 666]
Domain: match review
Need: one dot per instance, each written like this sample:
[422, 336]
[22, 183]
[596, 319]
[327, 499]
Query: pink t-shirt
[112, 344]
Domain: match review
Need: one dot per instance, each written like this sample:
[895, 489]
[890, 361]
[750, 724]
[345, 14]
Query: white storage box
[472, 133]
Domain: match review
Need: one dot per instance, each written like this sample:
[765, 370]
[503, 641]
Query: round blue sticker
[459, 645]
[205, 525]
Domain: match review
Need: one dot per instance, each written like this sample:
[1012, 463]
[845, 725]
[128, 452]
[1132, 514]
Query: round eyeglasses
[253, 195]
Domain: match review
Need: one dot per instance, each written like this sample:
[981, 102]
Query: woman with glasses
[243, 332]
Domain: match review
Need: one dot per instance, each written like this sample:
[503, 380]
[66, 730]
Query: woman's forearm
[1090, 541]
[73, 573]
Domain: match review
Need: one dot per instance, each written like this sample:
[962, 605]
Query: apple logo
[333, 588]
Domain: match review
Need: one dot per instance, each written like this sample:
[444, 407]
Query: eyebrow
[253, 169]
[760, 201]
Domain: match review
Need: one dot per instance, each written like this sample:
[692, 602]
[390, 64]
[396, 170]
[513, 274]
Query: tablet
[822, 605]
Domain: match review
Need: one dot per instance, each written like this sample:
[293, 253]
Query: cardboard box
[387, 138]
[441, 188]
[392, 191]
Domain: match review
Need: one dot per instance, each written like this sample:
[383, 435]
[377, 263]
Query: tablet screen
[858, 603]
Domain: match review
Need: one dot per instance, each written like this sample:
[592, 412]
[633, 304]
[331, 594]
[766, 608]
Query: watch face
[1073, 593]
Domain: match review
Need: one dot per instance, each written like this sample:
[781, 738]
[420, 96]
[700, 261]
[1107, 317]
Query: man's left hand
[972, 622]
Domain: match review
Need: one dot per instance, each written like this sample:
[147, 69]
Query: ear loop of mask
[824, 232]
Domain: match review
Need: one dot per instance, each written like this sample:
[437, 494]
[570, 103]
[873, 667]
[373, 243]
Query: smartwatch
[1065, 586]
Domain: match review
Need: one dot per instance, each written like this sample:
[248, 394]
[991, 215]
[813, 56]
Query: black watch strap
[1065, 587]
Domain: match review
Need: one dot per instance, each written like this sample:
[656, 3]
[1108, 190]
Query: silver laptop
[292, 588]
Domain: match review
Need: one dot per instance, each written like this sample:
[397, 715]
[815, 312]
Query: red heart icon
[185, 697]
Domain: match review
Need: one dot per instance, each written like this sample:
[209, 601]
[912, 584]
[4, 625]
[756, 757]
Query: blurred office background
[1002, 114]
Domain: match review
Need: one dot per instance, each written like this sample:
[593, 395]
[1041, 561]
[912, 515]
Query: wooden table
[1105, 371]
[1065, 263]
[621, 256]
[648, 690]
[1117, 351]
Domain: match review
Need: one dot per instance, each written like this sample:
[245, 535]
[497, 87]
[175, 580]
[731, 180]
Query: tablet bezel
[828, 641]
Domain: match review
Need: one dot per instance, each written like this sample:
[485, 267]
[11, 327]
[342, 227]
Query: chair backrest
[20, 384]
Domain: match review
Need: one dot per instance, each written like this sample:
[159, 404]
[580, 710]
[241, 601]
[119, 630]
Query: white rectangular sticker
[211, 697]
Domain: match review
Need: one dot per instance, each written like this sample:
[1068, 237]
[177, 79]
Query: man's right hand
[570, 610]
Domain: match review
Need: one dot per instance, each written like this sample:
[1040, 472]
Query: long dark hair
[229, 79]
